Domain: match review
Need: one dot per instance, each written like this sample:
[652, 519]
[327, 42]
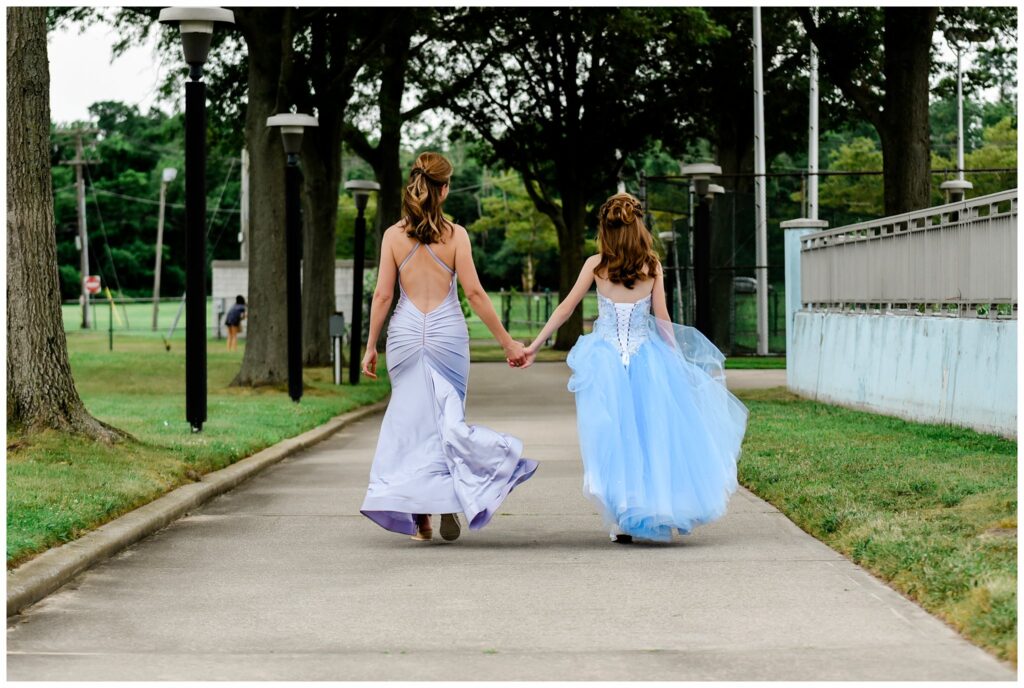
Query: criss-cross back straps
[439, 261]
[414, 248]
[432, 255]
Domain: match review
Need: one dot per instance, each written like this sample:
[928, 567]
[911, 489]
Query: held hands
[370, 363]
[515, 353]
[528, 355]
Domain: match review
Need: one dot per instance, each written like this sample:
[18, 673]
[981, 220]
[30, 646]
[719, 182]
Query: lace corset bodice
[624, 325]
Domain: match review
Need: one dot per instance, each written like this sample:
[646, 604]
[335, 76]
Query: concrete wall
[961, 371]
[231, 278]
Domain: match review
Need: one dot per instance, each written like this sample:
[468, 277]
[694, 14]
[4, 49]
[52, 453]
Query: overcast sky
[81, 72]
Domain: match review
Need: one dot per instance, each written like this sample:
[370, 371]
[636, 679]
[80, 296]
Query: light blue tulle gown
[428, 460]
[659, 432]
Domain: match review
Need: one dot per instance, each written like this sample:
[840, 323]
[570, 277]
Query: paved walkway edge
[38, 577]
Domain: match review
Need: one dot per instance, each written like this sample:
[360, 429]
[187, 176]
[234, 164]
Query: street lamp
[956, 189]
[361, 190]
[196, 25]
[700, 177]
[168, 176]
[292, 126]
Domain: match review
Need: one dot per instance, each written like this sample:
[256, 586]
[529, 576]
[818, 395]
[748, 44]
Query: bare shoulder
[394, 230]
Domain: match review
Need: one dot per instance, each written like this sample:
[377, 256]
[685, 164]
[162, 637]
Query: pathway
[283, 579]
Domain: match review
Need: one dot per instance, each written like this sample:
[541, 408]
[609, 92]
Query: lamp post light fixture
[361, 190]
[292, 126]
[700, 175]
[196, 25]
[168, 176]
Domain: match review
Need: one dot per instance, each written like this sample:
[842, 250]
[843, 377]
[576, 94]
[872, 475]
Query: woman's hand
[514, 353]
[370, 363]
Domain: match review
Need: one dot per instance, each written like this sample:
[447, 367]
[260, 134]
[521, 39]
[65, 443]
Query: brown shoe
[450, 528]
[423, 534]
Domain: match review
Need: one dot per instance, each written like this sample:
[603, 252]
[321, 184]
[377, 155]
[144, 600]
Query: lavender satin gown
[428, 460]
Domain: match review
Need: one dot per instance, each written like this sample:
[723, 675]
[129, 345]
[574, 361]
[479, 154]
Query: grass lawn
[59, 488]
[930, 509]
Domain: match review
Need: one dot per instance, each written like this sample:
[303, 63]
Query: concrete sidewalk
[281, 578]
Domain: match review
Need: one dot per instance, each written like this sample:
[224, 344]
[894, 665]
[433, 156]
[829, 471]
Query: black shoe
[623, 539]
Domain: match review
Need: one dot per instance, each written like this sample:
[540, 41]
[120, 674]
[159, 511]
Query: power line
[103, 230]
[150, 201]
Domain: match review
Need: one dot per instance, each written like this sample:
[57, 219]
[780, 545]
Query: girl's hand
[531, 356]
[370, 363]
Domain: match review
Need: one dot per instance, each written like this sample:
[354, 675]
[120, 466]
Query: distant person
[234, 318]
[659, 432]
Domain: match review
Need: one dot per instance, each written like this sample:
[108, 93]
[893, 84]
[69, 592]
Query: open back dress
[428, 460]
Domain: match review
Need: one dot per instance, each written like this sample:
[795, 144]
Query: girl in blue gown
[659, 432]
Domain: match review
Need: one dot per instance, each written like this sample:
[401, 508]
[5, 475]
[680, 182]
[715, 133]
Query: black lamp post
[361, 190]
[700, 176]
[196, 25]
[292, 126]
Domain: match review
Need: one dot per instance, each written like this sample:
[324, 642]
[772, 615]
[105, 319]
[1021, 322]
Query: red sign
[92, 284]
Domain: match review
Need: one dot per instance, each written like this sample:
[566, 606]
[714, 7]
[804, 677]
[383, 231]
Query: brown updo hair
[421, 198]
[627, 253]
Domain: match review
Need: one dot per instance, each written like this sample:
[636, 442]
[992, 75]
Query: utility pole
[760, 193]
[243, 234]
[167, 176]
[812, 137]
[83, 234]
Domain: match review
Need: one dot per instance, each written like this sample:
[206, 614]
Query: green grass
[931, 509]
[60, 487]
[525, 324]
[755, 363]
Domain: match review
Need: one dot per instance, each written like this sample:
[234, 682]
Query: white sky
[81, 72]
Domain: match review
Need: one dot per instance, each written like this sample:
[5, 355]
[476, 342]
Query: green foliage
[525, 232]
[860, 196]
[999, 150]
[126, 157]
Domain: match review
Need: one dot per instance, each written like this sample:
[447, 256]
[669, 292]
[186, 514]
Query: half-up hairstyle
[421, 198]
[627, 253]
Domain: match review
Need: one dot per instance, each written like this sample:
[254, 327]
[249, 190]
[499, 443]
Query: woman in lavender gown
[428, 460]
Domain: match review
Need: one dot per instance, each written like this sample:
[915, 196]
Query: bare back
[423, 279]
[620, 294]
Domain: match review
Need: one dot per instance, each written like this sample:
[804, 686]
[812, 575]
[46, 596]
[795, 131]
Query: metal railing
[958, 259]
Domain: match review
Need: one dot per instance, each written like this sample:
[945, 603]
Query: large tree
[331, 48]
[881, 60]
[575, 90]
[40, 389]
[415, 71]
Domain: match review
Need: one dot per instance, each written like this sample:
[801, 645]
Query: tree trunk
[41, 392]
[386, 163]
[321, 160]
[266, 350]
[570, 229]
[904, 130]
